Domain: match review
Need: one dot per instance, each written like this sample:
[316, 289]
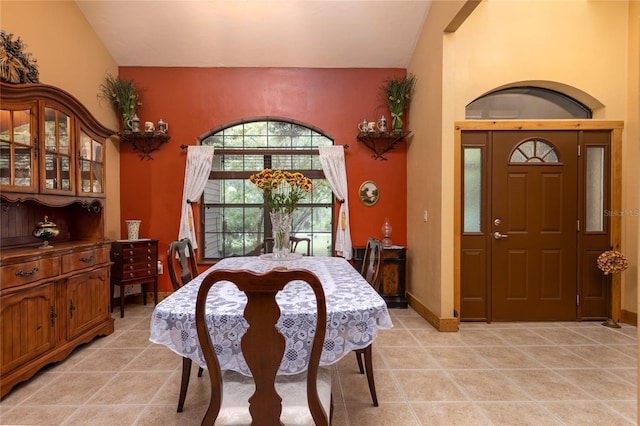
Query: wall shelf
[146, 142]
[381, 142]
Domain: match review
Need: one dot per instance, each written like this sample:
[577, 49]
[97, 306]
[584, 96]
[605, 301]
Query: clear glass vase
[281, 229]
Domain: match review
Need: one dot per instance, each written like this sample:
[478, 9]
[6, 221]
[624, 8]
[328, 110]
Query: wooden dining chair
[182, 266]
[267, 246]
[297, 240]
[372, 272]
[265, 399]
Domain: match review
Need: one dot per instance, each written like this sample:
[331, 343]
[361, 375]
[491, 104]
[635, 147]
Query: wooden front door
[533, 220]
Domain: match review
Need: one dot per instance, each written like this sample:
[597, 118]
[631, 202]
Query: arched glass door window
[534, 151]
[516, 103]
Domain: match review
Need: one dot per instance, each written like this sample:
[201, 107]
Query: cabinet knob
[130, 274]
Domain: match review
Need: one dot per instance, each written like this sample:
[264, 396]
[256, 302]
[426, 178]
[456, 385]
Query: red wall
[195, 100]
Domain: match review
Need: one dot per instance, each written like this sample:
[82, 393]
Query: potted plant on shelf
[398, 92]
[123, 97]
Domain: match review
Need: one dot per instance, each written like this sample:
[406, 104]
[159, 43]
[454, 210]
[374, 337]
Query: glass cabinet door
[91, 165]
[17, 148]
[56, 164]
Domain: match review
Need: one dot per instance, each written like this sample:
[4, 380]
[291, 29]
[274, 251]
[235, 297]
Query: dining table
[355, 314]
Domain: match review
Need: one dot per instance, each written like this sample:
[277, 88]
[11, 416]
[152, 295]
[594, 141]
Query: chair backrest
[372, 263]
[297, 240]
[180, 256]
[267, 246]
[262, 345]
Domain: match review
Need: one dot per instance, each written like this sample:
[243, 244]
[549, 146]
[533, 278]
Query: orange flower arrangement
[282, 190]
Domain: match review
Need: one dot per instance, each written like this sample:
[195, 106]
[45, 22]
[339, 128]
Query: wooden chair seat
[237, 389]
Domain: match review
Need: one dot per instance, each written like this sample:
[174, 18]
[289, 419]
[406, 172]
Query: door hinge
[578, 150]
[577, 300]
[578, 225]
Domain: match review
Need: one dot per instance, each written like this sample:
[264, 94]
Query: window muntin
[236, 219]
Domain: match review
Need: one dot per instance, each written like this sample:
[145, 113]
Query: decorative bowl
[45, 231]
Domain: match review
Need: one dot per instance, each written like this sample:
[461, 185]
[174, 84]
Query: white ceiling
[258, 33]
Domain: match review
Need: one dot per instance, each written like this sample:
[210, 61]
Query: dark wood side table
[393, 286]
[134, 262]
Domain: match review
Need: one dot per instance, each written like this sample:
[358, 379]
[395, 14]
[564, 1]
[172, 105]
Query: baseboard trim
[629, 317]
[440, 324]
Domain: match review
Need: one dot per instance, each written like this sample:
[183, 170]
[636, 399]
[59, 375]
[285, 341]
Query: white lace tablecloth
[355, 313]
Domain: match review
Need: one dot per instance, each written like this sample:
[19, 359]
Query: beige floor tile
[517, 414]
[463, 357]
[585, 413]
[487, 385]
[601, 384]
[556, 357]
[130, 387]
[355, 387]
[603, 356]
[480, 337]
[414, 322]
[499, 358]
[105, 415]
[563, 336]
[70, 389]
[156, 358]
[521, 336]
[576, 371]
[545, 385]
[36, 414]
[415, 358]
[387, 414]
[449, 414]
[397, 337]
[428, 385]
[106, 359]
[431, 338]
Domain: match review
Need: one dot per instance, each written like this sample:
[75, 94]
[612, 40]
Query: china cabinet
[52, 168]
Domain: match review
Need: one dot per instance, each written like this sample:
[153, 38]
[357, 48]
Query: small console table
[393, 286]
[134, 262]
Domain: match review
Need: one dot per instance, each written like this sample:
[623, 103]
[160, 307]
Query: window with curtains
[235, 218]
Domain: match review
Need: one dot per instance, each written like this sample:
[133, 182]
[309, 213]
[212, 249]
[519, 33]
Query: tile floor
[486, 374]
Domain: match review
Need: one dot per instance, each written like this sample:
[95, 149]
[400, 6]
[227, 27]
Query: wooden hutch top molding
[29, 92]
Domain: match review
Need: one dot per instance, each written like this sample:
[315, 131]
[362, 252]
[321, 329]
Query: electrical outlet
[425, 217]
[160, 267]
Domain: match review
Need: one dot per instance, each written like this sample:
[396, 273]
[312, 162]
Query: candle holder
[386, 232]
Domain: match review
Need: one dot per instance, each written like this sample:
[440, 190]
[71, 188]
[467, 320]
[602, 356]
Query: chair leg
[359, 353]
[368, 361]
[200, 371]
[184, 384]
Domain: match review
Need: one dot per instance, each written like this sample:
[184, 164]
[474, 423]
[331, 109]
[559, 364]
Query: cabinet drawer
[137, 273]
[84, 259]
[27, 272]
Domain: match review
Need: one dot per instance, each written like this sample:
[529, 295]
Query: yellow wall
[78, 66]
[583, 45]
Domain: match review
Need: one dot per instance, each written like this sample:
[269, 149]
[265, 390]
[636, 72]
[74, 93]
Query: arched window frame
[243, 148]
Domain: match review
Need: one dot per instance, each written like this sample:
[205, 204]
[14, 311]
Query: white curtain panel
[199, 159]
[335, 170]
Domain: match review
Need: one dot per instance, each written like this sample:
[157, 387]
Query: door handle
[499, 236]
